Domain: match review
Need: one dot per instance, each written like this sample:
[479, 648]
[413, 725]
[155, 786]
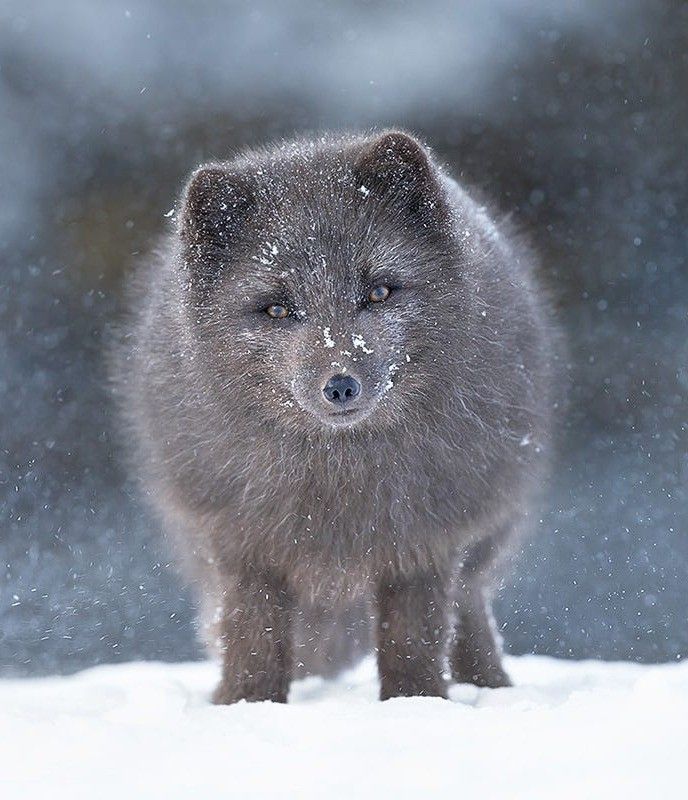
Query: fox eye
[379, 294]
[277, 311]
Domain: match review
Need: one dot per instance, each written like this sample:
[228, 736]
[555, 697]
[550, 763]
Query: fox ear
[215, 204]
[399, 166]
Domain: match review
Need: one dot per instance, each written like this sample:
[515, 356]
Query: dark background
[572, 116]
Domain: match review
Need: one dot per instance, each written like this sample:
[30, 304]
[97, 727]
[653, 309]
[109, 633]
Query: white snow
[358, 341]
[146, 730]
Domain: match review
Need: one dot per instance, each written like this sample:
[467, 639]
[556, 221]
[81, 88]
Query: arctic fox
[339, 376]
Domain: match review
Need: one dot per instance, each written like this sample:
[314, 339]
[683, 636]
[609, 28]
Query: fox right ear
[395, 164]
[214, 205]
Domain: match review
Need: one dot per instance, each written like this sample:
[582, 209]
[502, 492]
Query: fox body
[338, 374]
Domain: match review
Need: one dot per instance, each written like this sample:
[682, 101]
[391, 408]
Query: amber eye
[379, 294]
[277, 311]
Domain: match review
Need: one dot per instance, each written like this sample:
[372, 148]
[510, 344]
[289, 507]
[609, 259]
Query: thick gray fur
[275, 502]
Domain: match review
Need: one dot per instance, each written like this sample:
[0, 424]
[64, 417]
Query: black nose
[342, 389]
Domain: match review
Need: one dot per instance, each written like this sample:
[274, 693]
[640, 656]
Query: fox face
[327, 303]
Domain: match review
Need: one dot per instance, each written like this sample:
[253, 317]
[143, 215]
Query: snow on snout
[360, 343]
[392, 369]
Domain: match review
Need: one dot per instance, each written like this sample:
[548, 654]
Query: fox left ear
[215, 206]
[398, 166]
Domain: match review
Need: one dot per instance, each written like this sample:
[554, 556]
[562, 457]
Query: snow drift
[146, 730]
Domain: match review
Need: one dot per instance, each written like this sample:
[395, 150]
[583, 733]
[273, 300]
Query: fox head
[323, 281]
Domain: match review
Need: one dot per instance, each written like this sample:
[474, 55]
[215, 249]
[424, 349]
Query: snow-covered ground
[145, 730]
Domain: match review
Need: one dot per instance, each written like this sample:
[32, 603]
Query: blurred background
[572, 116]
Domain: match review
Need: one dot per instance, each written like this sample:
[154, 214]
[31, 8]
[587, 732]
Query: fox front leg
[256, 640]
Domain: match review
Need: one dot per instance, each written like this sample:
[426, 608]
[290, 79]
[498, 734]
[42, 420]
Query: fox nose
[342, 389]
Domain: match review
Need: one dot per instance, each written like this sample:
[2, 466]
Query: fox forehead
[293, 266]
